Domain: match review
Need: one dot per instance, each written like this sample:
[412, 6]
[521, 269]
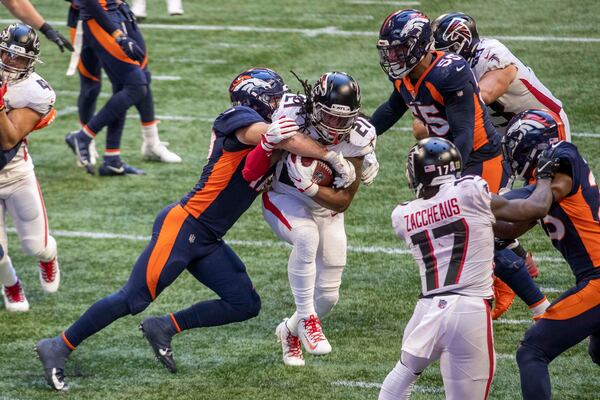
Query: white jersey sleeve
[34, 93]
[360, 142]
[490, 55]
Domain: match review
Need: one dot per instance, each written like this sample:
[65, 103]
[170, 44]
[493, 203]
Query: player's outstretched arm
[388, 113]
[495, 83]
[534, 207]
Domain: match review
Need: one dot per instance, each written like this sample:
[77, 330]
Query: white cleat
[310, 332]
[138, 7]
[290, 344]
[159, 152]
[175, 7]
[14, 298]
[49, 275]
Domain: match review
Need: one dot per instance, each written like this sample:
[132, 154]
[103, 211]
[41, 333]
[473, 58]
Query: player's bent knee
[527, 355]
[324, 303]
[306, 242]
[136, 92]
[39, 249]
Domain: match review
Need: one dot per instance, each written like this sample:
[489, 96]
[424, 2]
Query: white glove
[301, 176]
[278, 131]
[345, 173]
[370, 169]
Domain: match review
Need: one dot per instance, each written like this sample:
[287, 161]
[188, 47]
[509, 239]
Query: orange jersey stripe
[492, 173]
[434, 93]
[83, 71]
[479, 134]
[108, 42]
[164, 244]
[577, 303]
[67, 342]
[72, 32]
[45, 120]
[415, 89]
[220, 176]
[587, 228]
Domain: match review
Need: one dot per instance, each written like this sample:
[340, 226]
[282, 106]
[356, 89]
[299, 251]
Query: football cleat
[14, 298]
[159, 152]
[174, 7]
[504, 297]
[158, 332]
[290, 344]
[49, 275]
[53, 354]
[82, 150]
[531, 266]
[118, 168]
[310, 332]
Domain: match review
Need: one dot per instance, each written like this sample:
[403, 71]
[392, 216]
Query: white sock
[539, 309]
[8, 275]
[398, 384]
[302, 269]
[150, 134]
[49, 253]
[292, 324]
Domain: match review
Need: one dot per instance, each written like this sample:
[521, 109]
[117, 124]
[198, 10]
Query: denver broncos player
[572, 222]
[441, 91]
[188, 234]
[26, 104]
[311, 217]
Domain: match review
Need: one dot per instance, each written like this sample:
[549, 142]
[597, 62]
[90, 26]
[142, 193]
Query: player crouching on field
[26, 104]
[449, 230]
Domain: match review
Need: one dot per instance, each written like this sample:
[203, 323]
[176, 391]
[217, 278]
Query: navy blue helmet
[404, 39]
[455, 32]
[528, 134]
[335, 100]
[258, 88]
[19, 51]
[432, 162]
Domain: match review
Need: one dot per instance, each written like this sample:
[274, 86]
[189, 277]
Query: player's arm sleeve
[258, 162]
[397, 223]
[100, 15]
[460, 111]
[388, 113]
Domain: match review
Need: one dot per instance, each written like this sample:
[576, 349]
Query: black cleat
[82, 150]
[53, 354]
[159, 332]
[119, 168]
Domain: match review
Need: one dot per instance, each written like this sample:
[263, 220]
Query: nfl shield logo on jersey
[442, 304]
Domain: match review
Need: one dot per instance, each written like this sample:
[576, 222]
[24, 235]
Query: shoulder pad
[235, 118]
[363, 133]
[490, 55]
[289, 106]
[34, 92]
[451, 73]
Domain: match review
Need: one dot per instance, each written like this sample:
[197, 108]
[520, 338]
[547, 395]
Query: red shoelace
[313, 328]
[48, 270]
[14, 293]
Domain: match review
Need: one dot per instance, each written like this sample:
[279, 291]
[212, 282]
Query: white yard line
[385, 2]
[514, 321]
[166, 78]
[327, 30]
[551, 290]
[374, 385]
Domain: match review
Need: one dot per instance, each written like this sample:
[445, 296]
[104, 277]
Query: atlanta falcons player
[449, 230]
[311, 217]
[26, 104]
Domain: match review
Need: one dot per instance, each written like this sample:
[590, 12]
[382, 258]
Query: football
[322, 171]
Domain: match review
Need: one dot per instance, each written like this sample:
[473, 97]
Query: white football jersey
[451, 238]
[360, 142]
[34, 93]
[525, 92]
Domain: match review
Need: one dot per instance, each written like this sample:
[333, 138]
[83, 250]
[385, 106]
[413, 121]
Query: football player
[311, 217]
[26, 104]
[441, 91]
[570, 220]
[449, 230]
[188, 234]
[90, 76]
[110, 30]
[174, 7]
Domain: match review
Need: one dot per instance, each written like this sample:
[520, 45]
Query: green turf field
[242, 361]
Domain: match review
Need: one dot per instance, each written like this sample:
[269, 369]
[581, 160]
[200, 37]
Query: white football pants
[457, 330]
[23, 201]
[318, 257]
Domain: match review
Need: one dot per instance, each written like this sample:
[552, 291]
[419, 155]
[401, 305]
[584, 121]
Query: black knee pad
[136, 92]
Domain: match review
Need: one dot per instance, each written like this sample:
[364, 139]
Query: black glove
[547, 164]
[128, 14]
[131, 48]
[56, 37]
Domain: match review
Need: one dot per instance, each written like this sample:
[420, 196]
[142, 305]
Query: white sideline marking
[189, 60]
[66, 111]
[166, 78]
[327, 30]
[387, 2]
[514, 321]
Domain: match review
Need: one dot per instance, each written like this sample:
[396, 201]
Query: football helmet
[404, 39]
[432, 162]
[455, 32]
[528, 134]
[335, 103]
[19, 52]
[258, 88]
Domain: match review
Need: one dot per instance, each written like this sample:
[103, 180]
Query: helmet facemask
[15, 65]
[398, 59]
[333, 123]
